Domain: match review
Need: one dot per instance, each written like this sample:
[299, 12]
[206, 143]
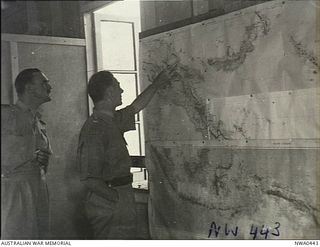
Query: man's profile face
[40, 87]
[116, 93]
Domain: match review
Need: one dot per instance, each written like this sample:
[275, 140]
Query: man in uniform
[104, 159]
[25, 152]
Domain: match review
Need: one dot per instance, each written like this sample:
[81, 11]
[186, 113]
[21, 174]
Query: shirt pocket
[91, 157]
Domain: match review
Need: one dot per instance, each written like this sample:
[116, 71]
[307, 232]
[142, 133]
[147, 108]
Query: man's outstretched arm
[161, 79]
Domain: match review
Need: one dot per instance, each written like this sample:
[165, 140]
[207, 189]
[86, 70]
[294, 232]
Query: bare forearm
[161, 79]
[144, 98]
[99, 187]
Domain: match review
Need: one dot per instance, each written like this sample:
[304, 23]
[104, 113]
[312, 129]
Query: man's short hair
[24, 77]
[98, 84]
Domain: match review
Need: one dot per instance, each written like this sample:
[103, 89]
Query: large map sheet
[239, 121]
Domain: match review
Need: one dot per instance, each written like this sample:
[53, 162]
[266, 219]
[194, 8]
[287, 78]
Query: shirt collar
[25, 108]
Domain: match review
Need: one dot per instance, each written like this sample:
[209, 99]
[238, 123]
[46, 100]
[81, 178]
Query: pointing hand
[165, 75]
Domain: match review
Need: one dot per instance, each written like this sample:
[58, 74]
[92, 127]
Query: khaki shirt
[22, 133]
[102, 149]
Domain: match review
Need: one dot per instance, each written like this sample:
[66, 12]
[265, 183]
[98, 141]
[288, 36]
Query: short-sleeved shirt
[22, 133]
[102, 149]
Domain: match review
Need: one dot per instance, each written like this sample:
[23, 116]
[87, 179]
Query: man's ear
[28, 87]
[109, 92]
[106, 95]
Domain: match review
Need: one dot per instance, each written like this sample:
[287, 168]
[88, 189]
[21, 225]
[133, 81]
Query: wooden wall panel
[47, 18]
[172, 11]
[227, 6]
[148, 15]
[200, 7]
[160, 16]
[14, 17]
[6, 78]
[215, 5]
[232, 5]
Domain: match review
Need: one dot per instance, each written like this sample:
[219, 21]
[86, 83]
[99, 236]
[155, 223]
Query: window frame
[97, 19]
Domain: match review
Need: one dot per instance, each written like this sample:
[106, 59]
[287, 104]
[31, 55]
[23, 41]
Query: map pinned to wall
[260, 66]
[233, 140]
